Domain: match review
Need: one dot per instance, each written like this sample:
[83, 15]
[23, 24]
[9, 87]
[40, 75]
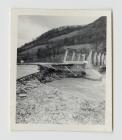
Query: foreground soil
[69, 100]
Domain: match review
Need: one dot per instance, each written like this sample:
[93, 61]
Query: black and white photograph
[61, 70]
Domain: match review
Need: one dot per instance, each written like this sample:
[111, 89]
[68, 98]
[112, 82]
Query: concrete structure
[76, 56]
[73, 56]
[65, 56]
[95, 58]
[102, 59]
[98, 59]
[79, 56]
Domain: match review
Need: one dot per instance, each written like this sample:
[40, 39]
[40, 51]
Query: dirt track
[70, 100]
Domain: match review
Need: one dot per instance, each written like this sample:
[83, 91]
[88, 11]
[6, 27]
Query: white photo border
[107, 127]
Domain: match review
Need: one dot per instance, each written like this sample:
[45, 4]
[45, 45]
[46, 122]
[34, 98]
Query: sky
[32, 26]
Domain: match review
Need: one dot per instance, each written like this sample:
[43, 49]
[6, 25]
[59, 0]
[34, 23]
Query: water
[23, 70]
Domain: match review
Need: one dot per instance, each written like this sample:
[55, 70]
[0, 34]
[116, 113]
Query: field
[69, 100]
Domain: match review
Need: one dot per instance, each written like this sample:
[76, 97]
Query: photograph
[61, 70]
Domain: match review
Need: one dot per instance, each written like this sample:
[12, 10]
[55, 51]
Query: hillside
[52, 43]
[43, 39]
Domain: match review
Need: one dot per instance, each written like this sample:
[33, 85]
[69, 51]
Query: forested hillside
[52, 43]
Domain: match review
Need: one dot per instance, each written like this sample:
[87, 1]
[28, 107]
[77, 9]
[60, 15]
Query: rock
[93, 74]
[21, 93]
